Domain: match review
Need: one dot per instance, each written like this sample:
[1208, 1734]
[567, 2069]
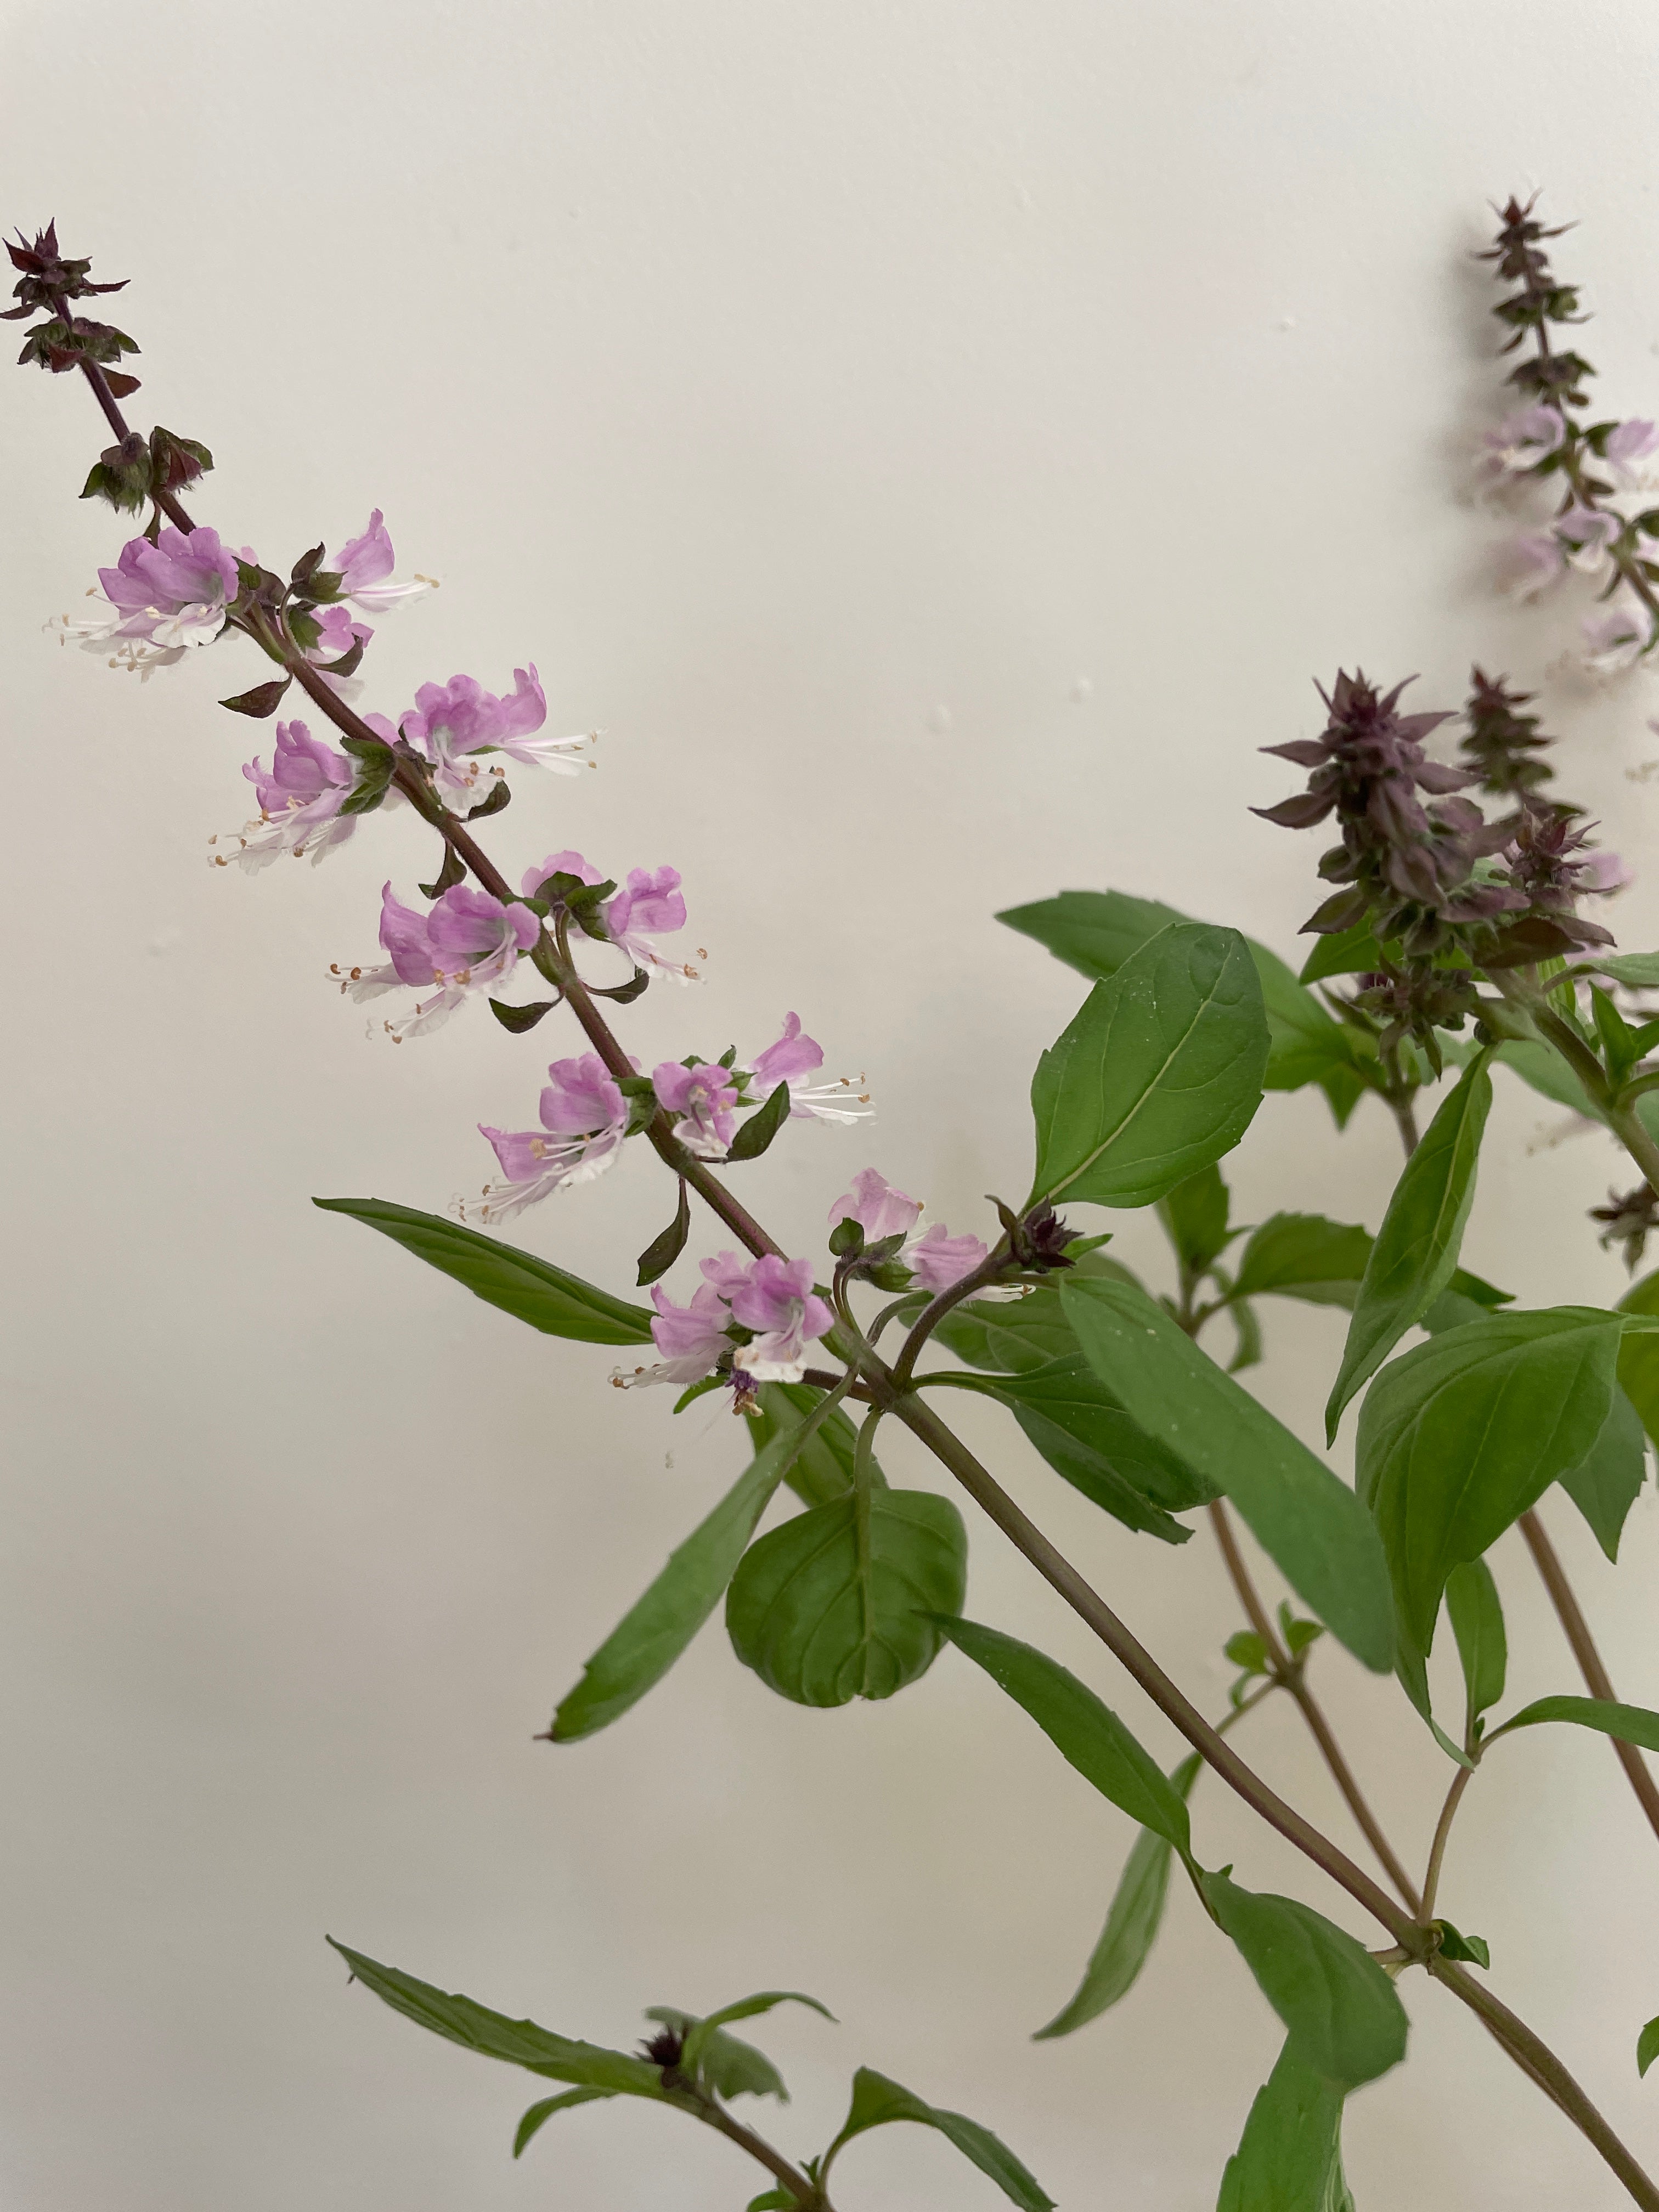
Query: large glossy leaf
[1605, 1487]
[1308, 1522]
[1460, 1436]
[1159, 1073]
[1290, 2157]
[1131, 1923]
[823, 1468]
[876, 2102]
[532, 1289]
[1080, 1427]
[1477, 1620]
[1083, 1730]
[520, 2042]
[1340, 2011]
[1095, 932]
[1415, 1253]
[838, 1603]
[1629, 1724]
[651, 1636]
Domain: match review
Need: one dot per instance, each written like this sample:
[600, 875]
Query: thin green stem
[1461, 1781]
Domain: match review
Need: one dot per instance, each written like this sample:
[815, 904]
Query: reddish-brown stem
[1596, 1680]
[1291, 1674]
[1088, 1604]
[112, 415]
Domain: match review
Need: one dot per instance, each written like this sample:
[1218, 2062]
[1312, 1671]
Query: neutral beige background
[939, 444]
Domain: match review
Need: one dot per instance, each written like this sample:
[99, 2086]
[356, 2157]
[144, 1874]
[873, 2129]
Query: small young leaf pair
[707, 2064]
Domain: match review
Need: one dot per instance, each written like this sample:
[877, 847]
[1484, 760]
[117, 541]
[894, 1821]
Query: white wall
[939, 444]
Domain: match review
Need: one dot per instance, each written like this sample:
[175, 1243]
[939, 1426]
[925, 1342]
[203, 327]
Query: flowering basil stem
[1459, 932]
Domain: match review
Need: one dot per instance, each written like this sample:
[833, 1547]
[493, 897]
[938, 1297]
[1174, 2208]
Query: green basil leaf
[822, 1467]
[839, 1602]
[1639, 1357]
[877, 2101]
[1341, 2011]
[520, 2042]
[1629, 1724]
[1095, 932]
[1307, 1521]
[1640, 971]
[1011, 1336]
[1303, 1255]
[1159, 1073]
[1416, 1250]
[1083, 1730]
[757, 1132]
[1290, 2157]
[1647, 2046]
[1460, 1436]
[1080, 1427]
[651, 1636]
[1468, 1950]
[1343, 952]
[660, 1254]
[532, 1289]
[750, 2007]
[1477, 1620]
[1131, 1923]
[538, 2115]
[1604, 1488]
[1542, 1069]
[1195, 1216]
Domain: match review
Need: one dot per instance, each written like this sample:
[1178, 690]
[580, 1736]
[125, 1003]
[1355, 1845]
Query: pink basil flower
[792, 1060]
[879, 1208]
[466, 942]
[161, 600]
[1630, 449]
[1521, 440]
[938, 1259]
[1617, 639]
[584, 1117]
[691, 1339]
[650, 905]
[703, 1097]
[773, 1298]
[364, 565]
[1535, 562]
[1603, 873]
[727, 1273]
[778, 1301]
[454, 723]
[300, 796]
[559, 864]
[1587, 535]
